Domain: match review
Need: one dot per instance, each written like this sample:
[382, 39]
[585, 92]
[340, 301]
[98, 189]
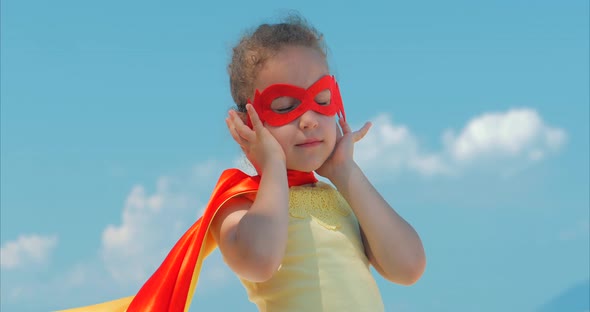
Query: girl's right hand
[259, 145]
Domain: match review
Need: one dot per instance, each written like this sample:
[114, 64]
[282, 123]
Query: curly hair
[256, 47]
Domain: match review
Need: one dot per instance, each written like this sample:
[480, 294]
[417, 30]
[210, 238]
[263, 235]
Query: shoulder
[230, 214]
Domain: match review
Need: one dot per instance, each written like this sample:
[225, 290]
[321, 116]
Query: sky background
[113, 135]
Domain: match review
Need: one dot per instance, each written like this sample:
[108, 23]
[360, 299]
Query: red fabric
[167, 289]
[263, 101]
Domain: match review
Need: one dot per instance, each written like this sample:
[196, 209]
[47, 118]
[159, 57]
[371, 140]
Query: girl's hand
[258, 143]
[341, 160]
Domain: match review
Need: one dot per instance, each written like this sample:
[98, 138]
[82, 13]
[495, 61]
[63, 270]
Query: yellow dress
[325, 267]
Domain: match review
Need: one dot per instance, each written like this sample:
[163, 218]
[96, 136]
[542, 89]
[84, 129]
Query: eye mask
[297, 101]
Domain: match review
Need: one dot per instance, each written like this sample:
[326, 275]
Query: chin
[308, 167]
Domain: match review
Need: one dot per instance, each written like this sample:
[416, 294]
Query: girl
[297, 244]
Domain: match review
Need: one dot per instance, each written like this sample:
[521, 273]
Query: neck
[296, 178]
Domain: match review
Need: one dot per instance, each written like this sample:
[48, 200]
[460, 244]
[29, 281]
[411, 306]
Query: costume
[171, 287]
[324, 267]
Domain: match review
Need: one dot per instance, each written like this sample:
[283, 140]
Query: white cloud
[518, 134]
[149, 223]
[152, 222]
[389, 147]
[27, 250]
[241, 162]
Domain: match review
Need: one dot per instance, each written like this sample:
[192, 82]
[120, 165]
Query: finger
[344, 125]
[256, 123]
[358, 135]
[232, 130]
[241, 129]
[243, 132]
[236, 118]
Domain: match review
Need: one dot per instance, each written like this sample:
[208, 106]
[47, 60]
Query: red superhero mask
[297, 101]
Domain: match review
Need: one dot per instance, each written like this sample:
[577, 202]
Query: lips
[310, 142]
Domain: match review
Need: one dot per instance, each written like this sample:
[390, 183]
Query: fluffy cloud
[518, 134]
[515, 133]
[152, 222]
[390, 147]
[131, 250]
[27, 250]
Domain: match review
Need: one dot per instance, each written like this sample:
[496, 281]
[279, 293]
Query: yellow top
[325, 267]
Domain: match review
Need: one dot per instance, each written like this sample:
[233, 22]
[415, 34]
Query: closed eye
[323, 98]
[284, 109]
[284, 104]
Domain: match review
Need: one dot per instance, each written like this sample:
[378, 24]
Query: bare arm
[252, 236]
[391, 244]
[252, 233]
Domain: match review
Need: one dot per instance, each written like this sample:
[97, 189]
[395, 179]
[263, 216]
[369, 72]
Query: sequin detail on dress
[320, 202]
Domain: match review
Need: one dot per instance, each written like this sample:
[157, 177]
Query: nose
[308, 120]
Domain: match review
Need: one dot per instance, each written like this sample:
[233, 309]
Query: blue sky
[112, 135]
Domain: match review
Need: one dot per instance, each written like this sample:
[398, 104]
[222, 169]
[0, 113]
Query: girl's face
[310, 139]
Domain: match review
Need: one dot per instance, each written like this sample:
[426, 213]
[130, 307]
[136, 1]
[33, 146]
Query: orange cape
[172, 286]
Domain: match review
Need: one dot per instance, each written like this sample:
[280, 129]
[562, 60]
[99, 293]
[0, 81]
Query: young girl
[297, 244]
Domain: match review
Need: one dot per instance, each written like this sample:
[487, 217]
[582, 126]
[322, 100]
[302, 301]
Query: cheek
[332, 131]
[281, 134]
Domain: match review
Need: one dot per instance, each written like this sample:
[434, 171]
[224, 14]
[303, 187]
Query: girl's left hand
[341, 159]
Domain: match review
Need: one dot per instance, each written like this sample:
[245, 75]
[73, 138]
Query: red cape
[172, 286]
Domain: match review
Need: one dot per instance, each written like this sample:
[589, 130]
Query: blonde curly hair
[256, 47]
